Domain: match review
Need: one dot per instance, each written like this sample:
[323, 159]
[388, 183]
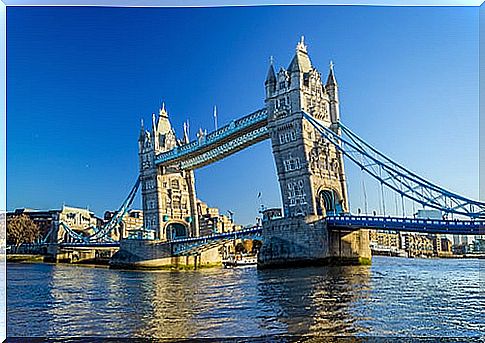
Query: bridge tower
[168, 194]
[310, 169]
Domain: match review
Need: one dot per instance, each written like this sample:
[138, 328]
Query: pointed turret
[270, 83]
[271, 77]
[142, 132]
[332, 90]
[331, 81]
[301, 61]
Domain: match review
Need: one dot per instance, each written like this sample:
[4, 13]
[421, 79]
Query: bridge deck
[433, 226]
[219, 144]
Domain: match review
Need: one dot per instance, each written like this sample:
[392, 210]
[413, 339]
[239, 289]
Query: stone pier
[157, 254]
[301, 241]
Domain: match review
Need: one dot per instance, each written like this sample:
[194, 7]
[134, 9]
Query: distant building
[417, 245]
[211, 221]
[80, 220]
[132, 221]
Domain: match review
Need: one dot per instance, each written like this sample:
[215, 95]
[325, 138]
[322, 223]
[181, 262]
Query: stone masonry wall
[156, 254]
[307, 241]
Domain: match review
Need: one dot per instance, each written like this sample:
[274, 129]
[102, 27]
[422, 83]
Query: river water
[393, 297]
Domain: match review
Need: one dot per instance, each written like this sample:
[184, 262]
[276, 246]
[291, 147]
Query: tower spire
[300, 62]
[301, 45]
[331, 81]
[271, 77]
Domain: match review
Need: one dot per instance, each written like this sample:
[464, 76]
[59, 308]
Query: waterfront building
[446, 247]
[409, 244]
[417, 245]
[80, 220]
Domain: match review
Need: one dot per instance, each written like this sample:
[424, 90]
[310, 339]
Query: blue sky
[80, 79]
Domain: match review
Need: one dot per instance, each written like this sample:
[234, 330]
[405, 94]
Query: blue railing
[434, 226]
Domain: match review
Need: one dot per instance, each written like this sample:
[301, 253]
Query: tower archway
[176, 230]
[328, 202]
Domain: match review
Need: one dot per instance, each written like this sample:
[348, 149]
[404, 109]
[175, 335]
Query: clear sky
[80, 79]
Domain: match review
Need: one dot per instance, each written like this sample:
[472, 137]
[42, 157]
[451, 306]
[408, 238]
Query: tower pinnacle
[300, 62]
[301, 45]
[331, 81]
[163, 112]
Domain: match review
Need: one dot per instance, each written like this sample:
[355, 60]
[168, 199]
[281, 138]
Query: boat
[240, 260]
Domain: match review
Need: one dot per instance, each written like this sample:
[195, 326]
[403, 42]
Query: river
[393, 297]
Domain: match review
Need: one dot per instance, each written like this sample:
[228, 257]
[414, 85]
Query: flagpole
[215, 117]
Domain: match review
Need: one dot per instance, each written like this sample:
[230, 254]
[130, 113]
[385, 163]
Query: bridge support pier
[302, 241]
[158, 254]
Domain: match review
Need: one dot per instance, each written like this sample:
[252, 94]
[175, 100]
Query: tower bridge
[301, 118]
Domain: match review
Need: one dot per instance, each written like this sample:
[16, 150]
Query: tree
[21, 229]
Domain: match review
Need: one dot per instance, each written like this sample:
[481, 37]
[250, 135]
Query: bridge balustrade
[462, 227]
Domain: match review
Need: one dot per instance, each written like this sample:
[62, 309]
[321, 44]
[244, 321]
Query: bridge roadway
[432, 226]
[219, 144]
[187, 246]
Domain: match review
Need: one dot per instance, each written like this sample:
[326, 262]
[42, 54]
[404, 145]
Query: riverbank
[19, 258]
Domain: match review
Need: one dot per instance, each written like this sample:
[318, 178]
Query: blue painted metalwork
[102, 234]
[188, 246]
[228, 139]
[395, 176]
[432, 226]
[91, 245]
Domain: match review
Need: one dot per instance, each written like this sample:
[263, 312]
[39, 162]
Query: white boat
[240, 260]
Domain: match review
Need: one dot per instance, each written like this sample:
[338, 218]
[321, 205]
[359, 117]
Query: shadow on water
[315, 301]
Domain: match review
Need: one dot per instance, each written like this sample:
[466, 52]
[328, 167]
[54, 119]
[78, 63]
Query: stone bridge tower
[168, 194]
[310, 169]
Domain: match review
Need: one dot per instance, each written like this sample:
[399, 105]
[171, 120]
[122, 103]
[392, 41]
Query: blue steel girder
[195, 245]
[219, 144]
[102, 234]
[395, 176]
[431, 226]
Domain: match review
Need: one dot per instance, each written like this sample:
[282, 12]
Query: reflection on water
[394, 296]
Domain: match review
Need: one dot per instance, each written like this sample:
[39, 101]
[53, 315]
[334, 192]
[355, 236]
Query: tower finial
[301, 45]
[215, 117]
[163, 111]
[331, 81]
[271, 60]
